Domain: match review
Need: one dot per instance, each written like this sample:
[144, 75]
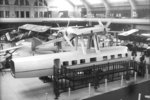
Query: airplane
[135, 35]
[42, 65]
[28, 31]
[3, 31]
[65, 34]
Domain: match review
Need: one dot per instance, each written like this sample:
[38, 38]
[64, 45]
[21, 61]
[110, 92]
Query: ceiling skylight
[94, 1]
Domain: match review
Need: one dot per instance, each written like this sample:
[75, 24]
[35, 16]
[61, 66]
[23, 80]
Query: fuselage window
[126, 54]
[119, 55]
[104, 57]
[74, 62]
[112, 56]
[65, 63]
[92, 59]
[82, 61]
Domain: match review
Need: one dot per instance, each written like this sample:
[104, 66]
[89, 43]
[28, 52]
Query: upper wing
[35, 28]
[127, 33]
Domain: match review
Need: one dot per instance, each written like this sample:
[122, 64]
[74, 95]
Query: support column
[56, 80]
[82, 45]
[76, 43]
[87, 6]
[133, 9]
[75, 12]
[107, 7]
[95, 43]
[89, 42]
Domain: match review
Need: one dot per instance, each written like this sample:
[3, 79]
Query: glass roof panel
[117, 1]
[94, 1]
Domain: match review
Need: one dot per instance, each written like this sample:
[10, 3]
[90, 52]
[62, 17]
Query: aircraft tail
[35, 43]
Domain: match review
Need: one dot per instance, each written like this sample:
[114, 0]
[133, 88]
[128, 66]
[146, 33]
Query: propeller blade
[68, 41]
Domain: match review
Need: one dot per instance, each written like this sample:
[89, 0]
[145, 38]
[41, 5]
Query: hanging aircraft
[135, 35]
[28, 31]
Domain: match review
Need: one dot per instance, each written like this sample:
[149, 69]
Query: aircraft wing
[146, 35]
[127, 33]
[10, 49]
[56, 28]
[88, 30]
[35, 28]
[64, 28]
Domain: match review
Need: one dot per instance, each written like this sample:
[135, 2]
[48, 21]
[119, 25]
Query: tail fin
[35, 43]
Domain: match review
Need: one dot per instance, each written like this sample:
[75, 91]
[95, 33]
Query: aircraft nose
[12, 67]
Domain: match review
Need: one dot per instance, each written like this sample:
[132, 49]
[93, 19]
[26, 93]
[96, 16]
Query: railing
[77, 78]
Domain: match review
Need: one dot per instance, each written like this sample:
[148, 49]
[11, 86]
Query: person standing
[142, 66]
[1, 46]
[134, 52]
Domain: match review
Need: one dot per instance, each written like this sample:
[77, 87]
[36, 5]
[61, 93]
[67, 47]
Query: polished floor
[34, 89]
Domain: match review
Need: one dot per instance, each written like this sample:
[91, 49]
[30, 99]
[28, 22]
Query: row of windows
[82, 61]
[22, 2]
[42, 14]
[4, 2]
[40, 3]
[25, 14]
[5, 14]
[25, 2]
[22, 14]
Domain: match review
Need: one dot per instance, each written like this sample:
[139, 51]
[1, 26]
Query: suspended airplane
[135, 35]
[28, 31]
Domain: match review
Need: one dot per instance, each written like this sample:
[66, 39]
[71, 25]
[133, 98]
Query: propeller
[106, 29]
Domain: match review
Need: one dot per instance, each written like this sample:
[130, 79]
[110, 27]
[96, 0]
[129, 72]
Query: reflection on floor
[34, 89]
